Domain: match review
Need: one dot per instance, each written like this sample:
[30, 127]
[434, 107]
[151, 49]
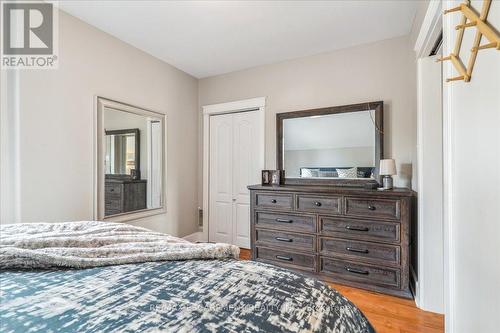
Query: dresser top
[124, 180]
[398, 191]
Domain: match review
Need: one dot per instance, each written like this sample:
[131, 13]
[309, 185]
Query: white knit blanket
[91, 244]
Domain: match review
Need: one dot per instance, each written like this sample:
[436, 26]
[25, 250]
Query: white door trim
[448, 176]
[430, 185]
[254, 104]
[10, 160]
[432, 25]
[430, 29]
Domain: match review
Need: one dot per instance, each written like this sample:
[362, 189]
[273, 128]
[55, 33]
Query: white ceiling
[206, 38]
[342, 130]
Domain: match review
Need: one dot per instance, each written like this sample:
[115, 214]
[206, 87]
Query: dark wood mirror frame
[137, 133]
[378, 107]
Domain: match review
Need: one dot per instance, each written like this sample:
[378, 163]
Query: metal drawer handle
[284, 258]
[282, 239]
[370, 207]
[274, 201]
[356, 271]
[352, 249]
[284, 221]
[350, 227]
[317, 203]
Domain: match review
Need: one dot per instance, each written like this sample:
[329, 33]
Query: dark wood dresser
[350, 236]
[124, 195]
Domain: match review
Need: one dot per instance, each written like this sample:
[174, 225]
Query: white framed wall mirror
[130, 161]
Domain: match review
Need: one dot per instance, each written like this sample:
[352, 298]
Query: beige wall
[380, 71]
[55, 148]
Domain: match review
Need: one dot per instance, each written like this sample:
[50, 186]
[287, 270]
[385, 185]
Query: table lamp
[387, 169]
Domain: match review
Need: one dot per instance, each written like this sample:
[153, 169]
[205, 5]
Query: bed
[212, 293]
[332, 172]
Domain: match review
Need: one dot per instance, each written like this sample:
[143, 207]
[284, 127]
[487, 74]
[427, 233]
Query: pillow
[309, 173]
[328, 174]
[348, 173]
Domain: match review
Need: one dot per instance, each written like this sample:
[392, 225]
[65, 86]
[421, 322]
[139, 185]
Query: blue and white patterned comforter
[174, 296]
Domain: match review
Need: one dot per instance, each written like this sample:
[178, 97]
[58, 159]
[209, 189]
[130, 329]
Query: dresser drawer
[329, 205]
[365, 273]
[369, 252]
[113, 189]
[373, 208]
[304, 223]
[279, 201]
[290, 240]
[360, 229]
[286, 258]
[113, 203]
[112, 212]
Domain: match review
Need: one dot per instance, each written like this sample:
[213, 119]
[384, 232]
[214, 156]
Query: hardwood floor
[387, 314]
[245, 254]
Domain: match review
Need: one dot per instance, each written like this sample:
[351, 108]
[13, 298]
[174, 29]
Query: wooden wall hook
[467, 25]
[482, 28]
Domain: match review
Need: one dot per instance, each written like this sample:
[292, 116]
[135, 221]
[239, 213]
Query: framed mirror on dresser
[327, 220]
[340, 145]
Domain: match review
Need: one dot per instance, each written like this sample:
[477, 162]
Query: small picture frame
[273, 177]
[266, 177]
[277, 177]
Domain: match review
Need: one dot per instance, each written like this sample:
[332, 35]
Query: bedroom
[182, 70]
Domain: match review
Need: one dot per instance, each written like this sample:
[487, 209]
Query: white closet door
[247, 164]
[220, 182]
[236, 158]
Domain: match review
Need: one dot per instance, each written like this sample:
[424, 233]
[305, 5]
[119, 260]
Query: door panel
[236, 159]
[247, 163]
[241, 225]
[221, 156]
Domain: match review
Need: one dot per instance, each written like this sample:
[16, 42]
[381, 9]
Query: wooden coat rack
[471, 19]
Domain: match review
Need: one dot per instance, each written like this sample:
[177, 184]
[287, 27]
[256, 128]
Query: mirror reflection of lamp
[387, 169]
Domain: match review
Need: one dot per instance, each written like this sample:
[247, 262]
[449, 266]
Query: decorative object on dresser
[387, 169]
[273, 177]
[266, 177]
[353, 236]
[124, 194]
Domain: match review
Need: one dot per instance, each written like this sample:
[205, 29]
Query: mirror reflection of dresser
[329, 219]
[130, 164]
[124, 190]
[123, 195]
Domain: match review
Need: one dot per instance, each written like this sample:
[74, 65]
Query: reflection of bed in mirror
[336, 172]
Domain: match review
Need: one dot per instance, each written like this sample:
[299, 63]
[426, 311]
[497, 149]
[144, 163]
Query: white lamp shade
[387, 167]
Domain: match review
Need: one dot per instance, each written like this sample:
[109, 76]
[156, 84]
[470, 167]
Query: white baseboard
[194, 237]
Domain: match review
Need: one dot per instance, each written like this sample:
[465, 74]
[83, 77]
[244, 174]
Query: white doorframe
[252, 104]
[434, 23]
[449, 24]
